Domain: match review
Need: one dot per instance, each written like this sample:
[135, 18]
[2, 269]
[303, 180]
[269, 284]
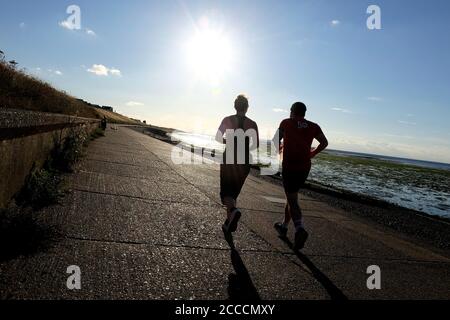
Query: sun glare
[209, 54]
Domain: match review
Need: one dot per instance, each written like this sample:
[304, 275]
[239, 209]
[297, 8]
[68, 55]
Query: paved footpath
[141, 227]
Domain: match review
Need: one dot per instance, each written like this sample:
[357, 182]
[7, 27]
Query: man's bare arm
[219, 137]
[323, 143]
[255, 139]
[220, 132]
[277, 139]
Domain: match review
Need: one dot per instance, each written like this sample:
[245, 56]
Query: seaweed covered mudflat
[419, 185]
[419, 188]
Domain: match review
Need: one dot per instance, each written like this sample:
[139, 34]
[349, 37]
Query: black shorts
[293, 181]
[232, 178]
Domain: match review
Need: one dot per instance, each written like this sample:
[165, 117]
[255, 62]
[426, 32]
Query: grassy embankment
[19, 90]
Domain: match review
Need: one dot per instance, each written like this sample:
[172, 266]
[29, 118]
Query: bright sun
[209, 54]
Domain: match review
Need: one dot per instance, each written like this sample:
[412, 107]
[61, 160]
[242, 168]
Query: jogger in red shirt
[297, 135]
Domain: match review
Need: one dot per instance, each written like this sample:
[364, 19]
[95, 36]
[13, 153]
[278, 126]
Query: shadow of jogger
[334, 292]
[240, 284]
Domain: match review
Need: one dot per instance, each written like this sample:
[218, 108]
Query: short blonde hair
[241, 103]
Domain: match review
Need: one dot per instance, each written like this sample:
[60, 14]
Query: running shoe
[281, 229]
[300, 238]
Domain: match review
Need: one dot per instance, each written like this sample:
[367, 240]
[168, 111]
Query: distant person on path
[297, 135]
[103, 123]
[233, 173]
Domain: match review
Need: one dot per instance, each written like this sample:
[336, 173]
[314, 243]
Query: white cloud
[101, 70]
[341, 110]
[22, 25]
[375, 99]
[90, 32]
[335, 23]
[134, 104]
[39, 70]
[66, 24]
[397, 136]
[407, 122]
[57, 72]
[70, 26]
[115, 72]
[279, 110]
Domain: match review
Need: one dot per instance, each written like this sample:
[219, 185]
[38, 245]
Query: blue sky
[379, 91]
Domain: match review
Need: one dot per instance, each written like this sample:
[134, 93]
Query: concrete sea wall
[26, 140]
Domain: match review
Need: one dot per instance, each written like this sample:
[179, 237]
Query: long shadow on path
[240, 284]
[334, 292]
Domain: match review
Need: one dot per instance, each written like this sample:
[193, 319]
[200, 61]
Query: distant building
[108, 108]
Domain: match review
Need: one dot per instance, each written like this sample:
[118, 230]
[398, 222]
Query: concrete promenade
[141, 227]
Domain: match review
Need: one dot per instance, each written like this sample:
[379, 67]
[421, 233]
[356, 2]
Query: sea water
[420, 185]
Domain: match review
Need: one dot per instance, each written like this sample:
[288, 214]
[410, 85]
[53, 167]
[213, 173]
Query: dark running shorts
[232, 178]
[294, 180]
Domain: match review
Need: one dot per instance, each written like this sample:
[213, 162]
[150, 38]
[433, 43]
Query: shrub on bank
[68, 151]
[42, 187]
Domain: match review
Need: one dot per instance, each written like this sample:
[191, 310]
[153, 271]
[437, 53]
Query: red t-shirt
[298, 135]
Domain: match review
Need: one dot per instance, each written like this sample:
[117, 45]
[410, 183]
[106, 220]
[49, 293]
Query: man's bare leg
[282, 227]
[294, 209]
[233, 215]
[296, 214]
[287, 216]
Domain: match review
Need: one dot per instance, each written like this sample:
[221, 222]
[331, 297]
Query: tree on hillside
[13, 63]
